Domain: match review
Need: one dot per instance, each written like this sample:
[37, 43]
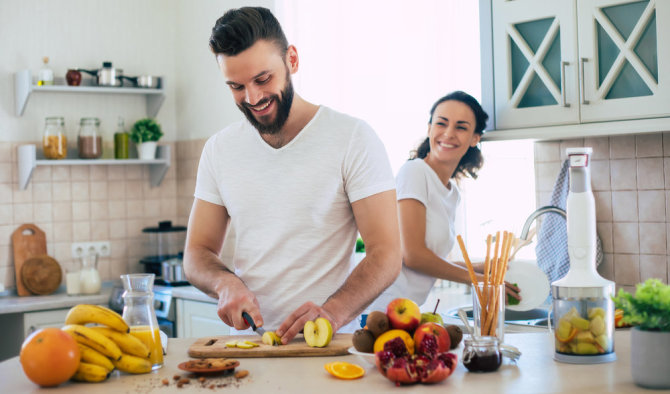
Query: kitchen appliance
[583, 311]
[165, 244]
[164, 306]
[146, 81]
[106, 76]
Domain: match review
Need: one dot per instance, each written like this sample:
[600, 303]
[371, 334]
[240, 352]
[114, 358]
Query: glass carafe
[139, 313]
[90, 282]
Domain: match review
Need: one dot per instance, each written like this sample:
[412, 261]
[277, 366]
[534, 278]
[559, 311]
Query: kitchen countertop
[15, 304]
[535, 372]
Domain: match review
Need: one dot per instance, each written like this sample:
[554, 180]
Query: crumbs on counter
[191, 381]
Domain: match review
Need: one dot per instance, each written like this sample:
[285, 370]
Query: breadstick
[471, 271]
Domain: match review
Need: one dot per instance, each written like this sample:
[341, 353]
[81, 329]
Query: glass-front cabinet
[573, 62]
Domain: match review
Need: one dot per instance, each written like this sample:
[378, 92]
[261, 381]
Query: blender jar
[582, 320]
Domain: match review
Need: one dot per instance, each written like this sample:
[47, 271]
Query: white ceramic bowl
[366, 359]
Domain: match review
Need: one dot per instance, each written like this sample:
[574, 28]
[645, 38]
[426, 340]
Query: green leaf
[649, 308]
[145, 130]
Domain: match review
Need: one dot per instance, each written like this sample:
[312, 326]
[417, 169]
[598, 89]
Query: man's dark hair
[238, 29]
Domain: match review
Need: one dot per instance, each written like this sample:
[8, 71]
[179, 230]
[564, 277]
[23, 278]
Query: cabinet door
[626, 65]
[33, 321]
[198, 319]
[534, 59]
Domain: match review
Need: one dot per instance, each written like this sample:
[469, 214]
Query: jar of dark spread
[89, 141]
[482, 354]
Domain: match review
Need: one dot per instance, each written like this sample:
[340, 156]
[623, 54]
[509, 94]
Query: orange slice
[344, 370]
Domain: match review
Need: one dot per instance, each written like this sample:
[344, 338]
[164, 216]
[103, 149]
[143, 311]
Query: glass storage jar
[89, 140]
[54, 142]
[482, 354]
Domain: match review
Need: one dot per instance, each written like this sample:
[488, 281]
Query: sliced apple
[270, 338]
[245, 345]
[232, 343]
[318, 333]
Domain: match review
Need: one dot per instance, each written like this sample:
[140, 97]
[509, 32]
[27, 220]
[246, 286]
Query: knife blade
[258, 330]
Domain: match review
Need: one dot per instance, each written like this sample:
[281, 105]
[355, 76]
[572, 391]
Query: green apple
[428, 317]
[270, 338]
[318, 333]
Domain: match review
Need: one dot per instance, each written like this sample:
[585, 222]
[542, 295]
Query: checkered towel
[552, 239]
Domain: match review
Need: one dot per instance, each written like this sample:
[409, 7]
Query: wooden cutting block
[28, 241]
[216, 347]
[41, 274]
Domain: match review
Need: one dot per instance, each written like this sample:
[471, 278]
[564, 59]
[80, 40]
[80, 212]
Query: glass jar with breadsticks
[488, 296]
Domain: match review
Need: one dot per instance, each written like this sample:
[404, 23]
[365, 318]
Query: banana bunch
[105, 346]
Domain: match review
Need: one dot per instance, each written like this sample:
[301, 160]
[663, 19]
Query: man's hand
[235, 298]
[293, 324]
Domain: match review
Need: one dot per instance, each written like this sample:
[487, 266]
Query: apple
[318, 333]
[271, 338]
[441, 335]
[404, 314]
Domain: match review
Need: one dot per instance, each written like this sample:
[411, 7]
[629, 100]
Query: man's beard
[283, 108]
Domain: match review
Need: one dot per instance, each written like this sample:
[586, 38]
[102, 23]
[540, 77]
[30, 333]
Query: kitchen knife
[258, 330]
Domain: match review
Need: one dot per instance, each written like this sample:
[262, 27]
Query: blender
[583, 311]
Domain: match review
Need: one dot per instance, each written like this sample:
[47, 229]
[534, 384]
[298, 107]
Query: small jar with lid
[482, 354]
[89, 140]
[54, 142]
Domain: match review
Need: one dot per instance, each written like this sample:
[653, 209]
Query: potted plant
[649, 312]
[145, 133]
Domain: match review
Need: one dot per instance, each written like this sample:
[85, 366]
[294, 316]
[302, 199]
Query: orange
[49, 357]
[344, 370]
[395, 333]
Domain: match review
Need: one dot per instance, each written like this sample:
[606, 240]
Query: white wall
[157, 37]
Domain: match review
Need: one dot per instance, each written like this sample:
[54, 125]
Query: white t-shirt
[291, 207]
[416, 180]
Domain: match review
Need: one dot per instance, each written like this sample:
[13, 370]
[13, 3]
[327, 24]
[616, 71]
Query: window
[387, 62]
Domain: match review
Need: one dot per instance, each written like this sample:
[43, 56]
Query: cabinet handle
[582, 92]
[565, 102]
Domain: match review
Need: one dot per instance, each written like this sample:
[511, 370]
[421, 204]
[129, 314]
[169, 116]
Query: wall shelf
[24, 87]
[28, 160]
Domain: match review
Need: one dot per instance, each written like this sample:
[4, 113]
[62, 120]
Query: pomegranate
[426, 366]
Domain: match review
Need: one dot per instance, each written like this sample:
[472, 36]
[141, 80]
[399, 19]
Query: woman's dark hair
[238, 29]
[473, 160]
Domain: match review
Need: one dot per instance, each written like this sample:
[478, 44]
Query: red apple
[404, 314]
[441, 335]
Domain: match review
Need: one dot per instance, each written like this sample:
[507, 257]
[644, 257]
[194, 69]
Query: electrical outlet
[80, 249]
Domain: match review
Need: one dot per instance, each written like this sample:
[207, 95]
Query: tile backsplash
[630, 176]
[94, 203]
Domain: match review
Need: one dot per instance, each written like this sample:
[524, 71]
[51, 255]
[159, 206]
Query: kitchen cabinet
[197, 319]
[33, 321]
[24, 87]
[560, 69]
[28, 159]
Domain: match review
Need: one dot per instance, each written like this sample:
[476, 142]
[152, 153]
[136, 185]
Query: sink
[535, 317]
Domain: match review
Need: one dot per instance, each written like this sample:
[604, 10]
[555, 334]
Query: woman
[428, 197]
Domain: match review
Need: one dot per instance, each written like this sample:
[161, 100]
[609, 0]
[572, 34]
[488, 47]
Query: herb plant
[145, 130]
[649, 308]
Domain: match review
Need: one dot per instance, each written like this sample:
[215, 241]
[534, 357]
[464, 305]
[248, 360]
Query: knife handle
[249, 320]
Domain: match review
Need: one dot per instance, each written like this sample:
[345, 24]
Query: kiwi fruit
[378, 323]
[363, 340]
[455, 334]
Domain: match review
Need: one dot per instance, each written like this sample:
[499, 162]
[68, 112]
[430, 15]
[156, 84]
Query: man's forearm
[206, 271]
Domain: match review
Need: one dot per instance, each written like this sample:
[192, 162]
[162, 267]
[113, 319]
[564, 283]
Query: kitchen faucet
[538, 212]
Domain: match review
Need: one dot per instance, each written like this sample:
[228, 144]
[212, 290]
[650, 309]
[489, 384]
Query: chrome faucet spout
[538, 212]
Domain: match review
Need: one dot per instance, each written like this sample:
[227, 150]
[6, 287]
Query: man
[296, 181]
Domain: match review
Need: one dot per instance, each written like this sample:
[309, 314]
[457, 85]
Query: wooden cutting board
[28, 241]
[216, 347]
[41, 274]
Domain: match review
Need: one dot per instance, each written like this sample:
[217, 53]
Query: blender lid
[582, 292]
[164, 227]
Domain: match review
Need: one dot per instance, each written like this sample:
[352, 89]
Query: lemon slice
[344, 370]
